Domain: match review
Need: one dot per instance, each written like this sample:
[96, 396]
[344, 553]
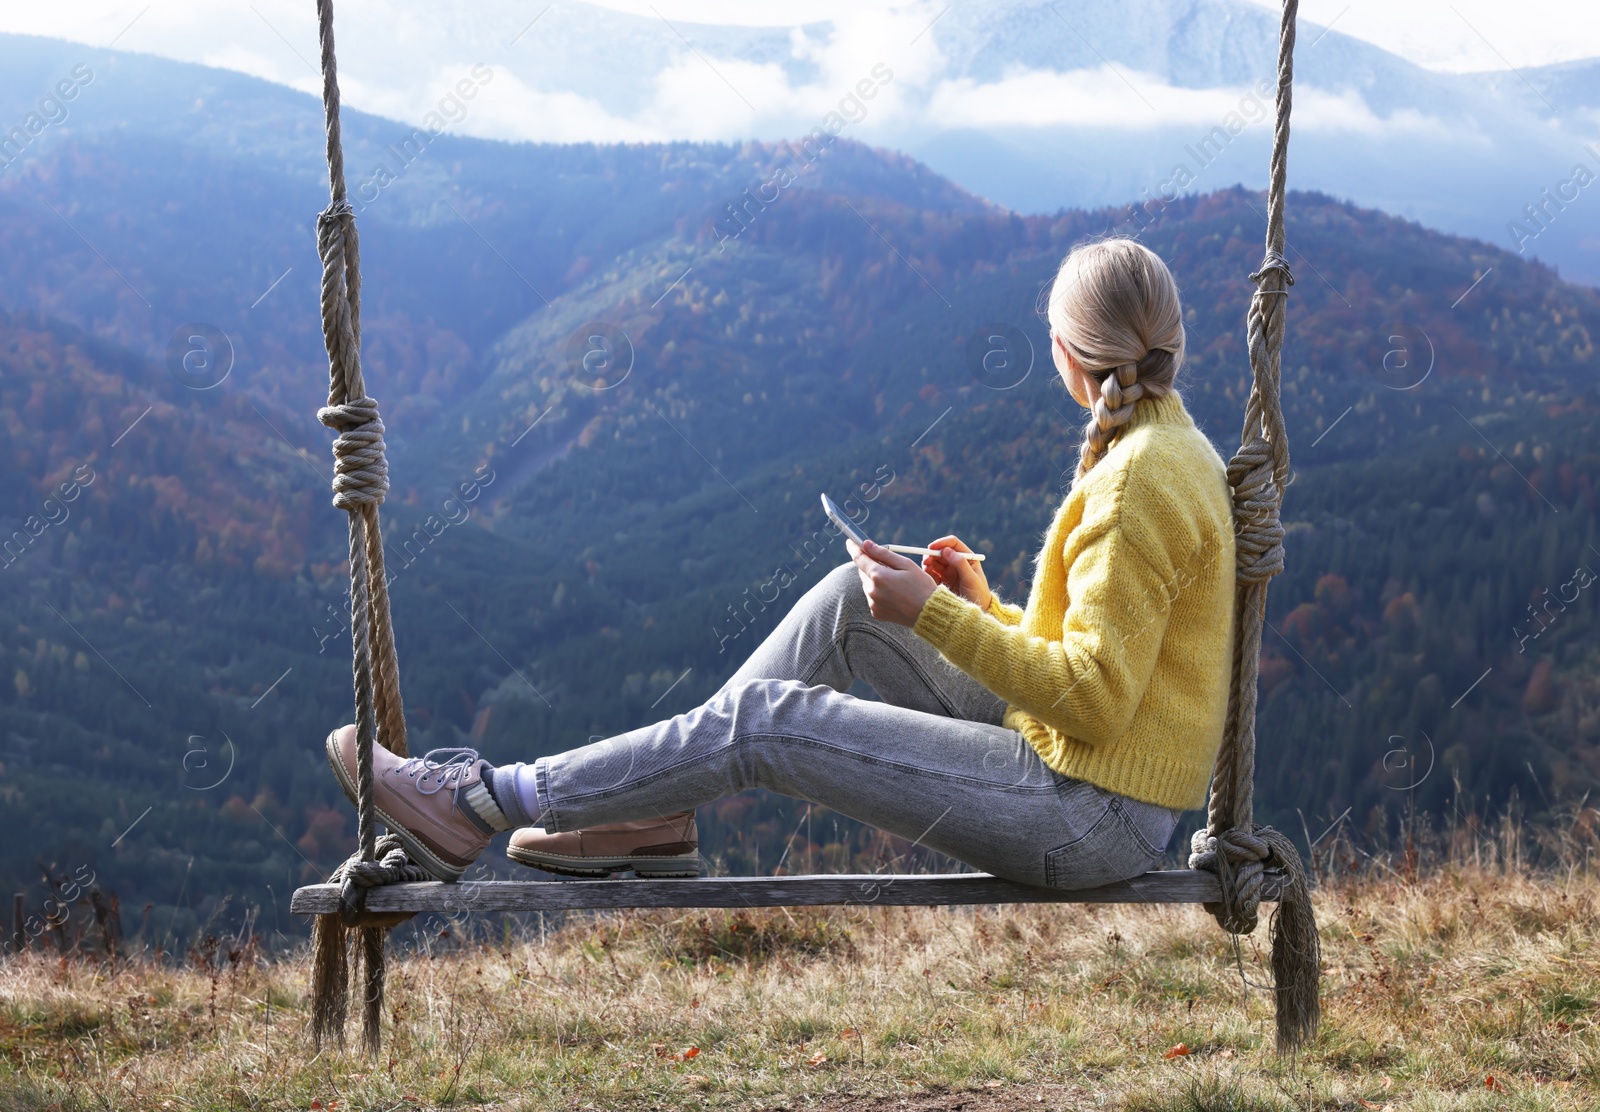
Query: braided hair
[1115, 307]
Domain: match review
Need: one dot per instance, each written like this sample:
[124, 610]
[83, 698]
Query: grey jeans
[930, 763]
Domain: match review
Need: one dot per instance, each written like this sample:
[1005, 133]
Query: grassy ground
[1460, 989]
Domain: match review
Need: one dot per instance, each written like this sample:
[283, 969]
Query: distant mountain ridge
[1019, 102]
[517, 224]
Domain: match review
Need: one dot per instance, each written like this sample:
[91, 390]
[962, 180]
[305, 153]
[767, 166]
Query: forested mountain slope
[586, 535]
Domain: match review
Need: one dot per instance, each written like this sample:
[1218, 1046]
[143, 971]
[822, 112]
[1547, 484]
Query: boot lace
[440, 769]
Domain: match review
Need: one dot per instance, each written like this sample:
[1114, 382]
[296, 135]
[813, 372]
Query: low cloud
[1323, 111]
[1102, 97]
[685, 92]
[510, 109]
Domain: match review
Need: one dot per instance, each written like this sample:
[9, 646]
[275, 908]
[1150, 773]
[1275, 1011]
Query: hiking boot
[668, 846]
[436, 803]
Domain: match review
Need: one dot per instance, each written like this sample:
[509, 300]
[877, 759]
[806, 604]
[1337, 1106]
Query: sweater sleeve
[1007, 613]
[1088, 683]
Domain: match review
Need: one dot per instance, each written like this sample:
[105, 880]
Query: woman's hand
[963, 576]
[896, 587]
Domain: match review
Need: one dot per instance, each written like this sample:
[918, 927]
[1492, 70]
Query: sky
[276, 40]
[1468, 35]
[1458, 37]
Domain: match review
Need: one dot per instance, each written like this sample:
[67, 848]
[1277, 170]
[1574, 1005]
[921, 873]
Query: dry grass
[1433, 987]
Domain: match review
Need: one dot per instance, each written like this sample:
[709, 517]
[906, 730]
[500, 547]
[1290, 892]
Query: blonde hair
[1116, 308]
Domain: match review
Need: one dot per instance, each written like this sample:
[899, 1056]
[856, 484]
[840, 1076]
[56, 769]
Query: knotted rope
[357, 874]
[361, 473]
[360, 482]
[1232, 845]
[330, 977]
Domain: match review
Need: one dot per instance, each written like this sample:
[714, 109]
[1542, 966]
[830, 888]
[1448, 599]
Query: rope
[358, 874]
[361, 473]
[330, 942]
[361, 479]
[1232, 845]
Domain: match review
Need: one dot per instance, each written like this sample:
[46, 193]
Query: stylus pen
[913, 549]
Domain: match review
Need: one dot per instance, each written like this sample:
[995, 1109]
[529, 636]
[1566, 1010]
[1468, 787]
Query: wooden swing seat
[1165, 886]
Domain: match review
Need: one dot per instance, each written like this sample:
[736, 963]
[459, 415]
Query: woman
[1054, 744]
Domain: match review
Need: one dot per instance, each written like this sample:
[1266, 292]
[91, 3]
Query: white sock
[512, 788]
[527, 792]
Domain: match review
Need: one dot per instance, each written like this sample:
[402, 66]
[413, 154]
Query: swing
[1234, 865]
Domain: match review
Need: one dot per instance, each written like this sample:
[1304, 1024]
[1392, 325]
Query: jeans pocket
[1109, 844]
[1151, 824]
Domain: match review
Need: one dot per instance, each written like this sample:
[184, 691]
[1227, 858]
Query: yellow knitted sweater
[1117, 669]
